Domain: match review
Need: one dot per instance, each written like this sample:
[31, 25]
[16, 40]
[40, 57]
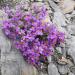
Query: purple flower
[61, 36]
[33, 38]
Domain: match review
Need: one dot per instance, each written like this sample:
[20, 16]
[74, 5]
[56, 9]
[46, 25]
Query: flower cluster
[35, 38]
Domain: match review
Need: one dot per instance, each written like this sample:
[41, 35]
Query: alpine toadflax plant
[35, 38]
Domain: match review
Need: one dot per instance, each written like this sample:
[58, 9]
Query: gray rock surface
[11, 60]
[71, 73]
[71, 50]
[52, 69]
[71, 29]
[63, 69]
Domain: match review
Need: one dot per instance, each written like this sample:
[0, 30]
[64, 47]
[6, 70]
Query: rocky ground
[62, 13]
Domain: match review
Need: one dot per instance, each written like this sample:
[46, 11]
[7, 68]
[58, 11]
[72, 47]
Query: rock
[65, 61]
[70, 73]
[54, 6]
[39, 0]
[71, 49]
[68, 17]
[41, 73]
[70, 63]
[49, 59]
[62, 61]
[12, 61]
[63, 47]
[52, 69]
[28, 70]
[59, 19]
[63, 69]
[67, 6]
[10, 68]
[56, 0]
[73, 19]
[71, 29]
[72, 69]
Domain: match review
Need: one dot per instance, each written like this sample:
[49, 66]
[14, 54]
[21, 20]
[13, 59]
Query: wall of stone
[11, 60]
